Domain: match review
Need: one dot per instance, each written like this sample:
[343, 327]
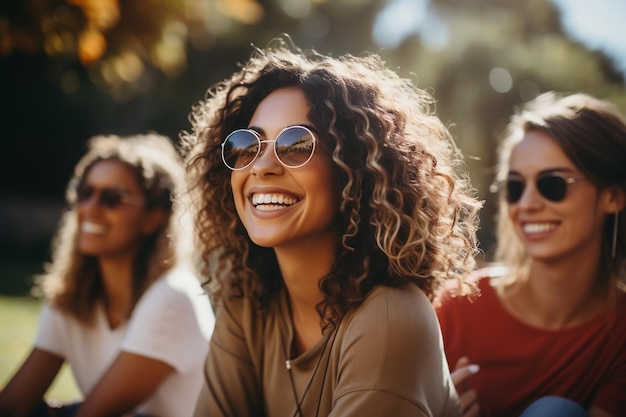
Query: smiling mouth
[90, 227]
[531, 228]
[269, 202]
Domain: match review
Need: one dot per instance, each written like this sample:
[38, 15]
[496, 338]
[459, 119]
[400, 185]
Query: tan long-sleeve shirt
[384, 359]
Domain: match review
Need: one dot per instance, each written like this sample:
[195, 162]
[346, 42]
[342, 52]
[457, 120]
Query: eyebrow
[262, 133]
[559, 170]
[106, 187]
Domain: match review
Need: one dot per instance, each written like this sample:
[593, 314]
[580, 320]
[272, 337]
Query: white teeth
[89, 227]
[538, 227]
[271, 207]
[275, 201]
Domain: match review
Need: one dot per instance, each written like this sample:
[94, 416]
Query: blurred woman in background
[550, 327]
[123, 306]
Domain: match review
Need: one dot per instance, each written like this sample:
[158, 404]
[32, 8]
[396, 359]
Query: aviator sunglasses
[294, 146]
[552, 187]
[110, 198]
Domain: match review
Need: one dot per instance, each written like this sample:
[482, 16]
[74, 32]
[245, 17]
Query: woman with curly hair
[547, 336]
[123, 307]
[329, 210]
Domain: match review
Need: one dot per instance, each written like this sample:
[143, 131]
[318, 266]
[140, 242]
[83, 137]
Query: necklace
[299, 402]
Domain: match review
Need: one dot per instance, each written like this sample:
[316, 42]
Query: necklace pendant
[288, 364]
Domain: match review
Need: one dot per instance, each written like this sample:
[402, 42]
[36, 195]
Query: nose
[89, 207]
[531, 197]
[266, 162]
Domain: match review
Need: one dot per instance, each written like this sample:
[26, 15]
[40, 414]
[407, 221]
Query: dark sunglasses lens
[295, 146]
[552, 188]
[239, 149]
[106, 197]
[110, 198]
[514, 190]
[83, 193]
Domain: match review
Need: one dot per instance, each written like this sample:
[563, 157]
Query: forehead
[281, 108]
[538, 151]
[111, 173]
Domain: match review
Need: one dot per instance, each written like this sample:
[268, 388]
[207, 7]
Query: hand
[460, 377]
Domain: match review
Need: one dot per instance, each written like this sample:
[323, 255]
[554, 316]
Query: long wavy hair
[592, 134]
[407, 210]
[72, 281]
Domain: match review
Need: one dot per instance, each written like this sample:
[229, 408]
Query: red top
[519, 363]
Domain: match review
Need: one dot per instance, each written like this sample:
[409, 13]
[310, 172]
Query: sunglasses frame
[275, 141]
[122, 197]
[545, 195]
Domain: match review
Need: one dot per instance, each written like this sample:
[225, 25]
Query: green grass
[18, 326]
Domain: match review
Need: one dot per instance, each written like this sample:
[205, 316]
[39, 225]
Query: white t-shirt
[172, 322]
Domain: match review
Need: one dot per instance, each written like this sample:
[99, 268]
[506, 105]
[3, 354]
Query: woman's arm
[29, 384]
[129, 381]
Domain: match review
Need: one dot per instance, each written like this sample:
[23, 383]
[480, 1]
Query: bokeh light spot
[500, 80]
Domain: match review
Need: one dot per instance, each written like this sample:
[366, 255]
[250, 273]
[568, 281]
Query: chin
[88, 251]
[263, 242]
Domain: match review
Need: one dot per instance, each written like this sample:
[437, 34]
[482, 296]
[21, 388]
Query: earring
[614, 246]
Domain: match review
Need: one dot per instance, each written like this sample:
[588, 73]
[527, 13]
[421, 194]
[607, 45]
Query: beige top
[385, 359]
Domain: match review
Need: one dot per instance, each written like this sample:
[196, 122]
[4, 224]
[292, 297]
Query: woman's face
[306, 202]
[112, 219]
[552, 230]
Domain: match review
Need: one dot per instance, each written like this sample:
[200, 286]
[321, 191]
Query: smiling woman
[554, 318]
[328, 211]
[122, 305]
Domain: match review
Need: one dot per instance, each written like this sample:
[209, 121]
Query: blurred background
[71, 69]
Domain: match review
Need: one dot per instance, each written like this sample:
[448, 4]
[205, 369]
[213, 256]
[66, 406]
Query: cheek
[237, 181]
[324, 188]
[133, 225]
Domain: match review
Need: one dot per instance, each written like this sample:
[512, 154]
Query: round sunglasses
[552, 187]
[294, 146]
[110, 198]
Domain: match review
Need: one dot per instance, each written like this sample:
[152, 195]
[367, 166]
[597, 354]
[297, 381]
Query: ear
[615, 200]
[152, 221]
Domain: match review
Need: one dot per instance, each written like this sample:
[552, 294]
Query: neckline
[489, 288]
[102, 317]
[319, 348]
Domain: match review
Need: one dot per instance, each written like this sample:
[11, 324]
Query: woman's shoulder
[178, 291]
[384, 295]
[391, 316]
[50, 313]
[174, 300]
[179, 281]
[406, 305]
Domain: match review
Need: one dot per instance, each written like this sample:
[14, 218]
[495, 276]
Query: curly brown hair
[71, 281]
[407, 213]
